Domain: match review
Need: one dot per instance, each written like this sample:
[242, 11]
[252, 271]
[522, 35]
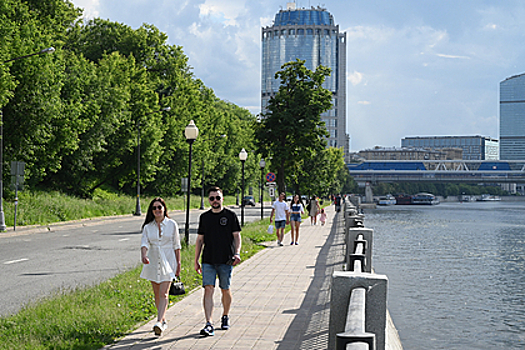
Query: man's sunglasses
[216, 198]
[157, 207]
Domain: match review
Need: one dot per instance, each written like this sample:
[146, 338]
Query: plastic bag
[270, 229]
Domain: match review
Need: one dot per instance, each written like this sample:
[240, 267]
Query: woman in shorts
[296, 210]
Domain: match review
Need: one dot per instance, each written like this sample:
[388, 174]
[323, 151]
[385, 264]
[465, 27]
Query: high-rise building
[310, 35]
[512, 118]
[474, 147]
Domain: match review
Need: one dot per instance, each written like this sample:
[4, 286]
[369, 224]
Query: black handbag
[177, 288]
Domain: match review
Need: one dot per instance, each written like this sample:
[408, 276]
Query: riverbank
[503, 198]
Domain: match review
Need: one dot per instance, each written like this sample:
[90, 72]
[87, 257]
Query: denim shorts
[211, 271]
[280, 224]
[295, 217]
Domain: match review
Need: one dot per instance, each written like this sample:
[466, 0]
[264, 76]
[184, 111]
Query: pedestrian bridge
[462, 171]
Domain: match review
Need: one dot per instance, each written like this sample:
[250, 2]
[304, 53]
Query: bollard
[342, 285]
[350, 239]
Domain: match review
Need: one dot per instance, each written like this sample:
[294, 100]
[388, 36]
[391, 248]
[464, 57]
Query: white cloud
[452, 56]
[225, 12]
[91, 7]
[355, 78]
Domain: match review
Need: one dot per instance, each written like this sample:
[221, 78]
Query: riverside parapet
[359, 317]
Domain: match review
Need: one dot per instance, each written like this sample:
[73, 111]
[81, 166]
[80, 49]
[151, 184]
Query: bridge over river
[457, 171]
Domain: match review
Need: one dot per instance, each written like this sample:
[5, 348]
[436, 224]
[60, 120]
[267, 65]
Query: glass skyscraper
[512, 118]
[310, 35]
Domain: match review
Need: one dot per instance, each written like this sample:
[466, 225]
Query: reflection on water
[456, 273]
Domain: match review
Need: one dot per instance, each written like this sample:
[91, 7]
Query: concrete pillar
[369, 195]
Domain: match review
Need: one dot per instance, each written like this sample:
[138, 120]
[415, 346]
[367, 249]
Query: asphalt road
[37, 262]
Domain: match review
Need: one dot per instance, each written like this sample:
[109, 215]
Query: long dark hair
[149, 215]
[300, 200]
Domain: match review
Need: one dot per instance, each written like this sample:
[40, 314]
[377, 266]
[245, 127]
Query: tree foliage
[74, 117]
[292, 132]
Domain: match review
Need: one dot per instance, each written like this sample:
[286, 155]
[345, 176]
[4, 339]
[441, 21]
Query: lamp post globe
[191, 132]
[242, 156]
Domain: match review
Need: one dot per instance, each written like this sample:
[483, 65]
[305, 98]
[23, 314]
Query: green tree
[292, 130]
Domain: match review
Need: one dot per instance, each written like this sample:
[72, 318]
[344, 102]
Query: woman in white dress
[160, 254]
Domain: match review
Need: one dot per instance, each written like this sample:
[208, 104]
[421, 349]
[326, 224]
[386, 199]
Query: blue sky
[414, 67]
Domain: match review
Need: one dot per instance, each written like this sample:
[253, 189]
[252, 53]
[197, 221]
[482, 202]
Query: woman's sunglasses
[157, 207]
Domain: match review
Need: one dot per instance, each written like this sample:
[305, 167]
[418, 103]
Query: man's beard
[216, 206]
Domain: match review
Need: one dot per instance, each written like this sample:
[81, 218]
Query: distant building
[474, 147]
[512, 118]
[311, 35]
[379, 153]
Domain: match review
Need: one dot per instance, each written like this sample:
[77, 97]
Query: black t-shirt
[217, 229]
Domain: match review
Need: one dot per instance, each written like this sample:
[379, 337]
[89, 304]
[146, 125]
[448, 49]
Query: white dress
[161, 250]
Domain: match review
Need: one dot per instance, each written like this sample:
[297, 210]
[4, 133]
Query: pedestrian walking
[296, 210]
[219, 241]
[322, 217]
[313, 210]
[337, 203]
[282, 217]
[160, 254]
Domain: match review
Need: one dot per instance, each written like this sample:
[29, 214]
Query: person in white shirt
[160, 254]
[282, 217]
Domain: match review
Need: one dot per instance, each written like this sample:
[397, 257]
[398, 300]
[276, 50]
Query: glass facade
[512, 118]
[473, 147]
[310, 35]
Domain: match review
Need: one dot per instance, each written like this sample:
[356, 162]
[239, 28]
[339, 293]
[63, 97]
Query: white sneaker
[158, 328]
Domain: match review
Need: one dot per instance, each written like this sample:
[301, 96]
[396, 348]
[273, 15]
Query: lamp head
[191, 132]
[243, 155]
[262, 163]
[48, 50]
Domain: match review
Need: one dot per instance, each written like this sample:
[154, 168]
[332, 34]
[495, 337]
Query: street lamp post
[138, 210]
[3, 227]
[191, 132]
[242, 156]
[262, 164]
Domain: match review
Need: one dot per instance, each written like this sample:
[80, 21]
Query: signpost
[270, 183]
[17, 182]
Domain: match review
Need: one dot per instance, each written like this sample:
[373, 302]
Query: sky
[414, 67]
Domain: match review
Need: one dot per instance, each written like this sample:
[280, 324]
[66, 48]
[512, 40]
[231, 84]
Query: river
[456, 273]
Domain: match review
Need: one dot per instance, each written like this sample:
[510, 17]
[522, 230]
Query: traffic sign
[270, 184]
[271, 191]
[270, 177]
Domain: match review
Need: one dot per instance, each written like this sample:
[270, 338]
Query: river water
[456, 273]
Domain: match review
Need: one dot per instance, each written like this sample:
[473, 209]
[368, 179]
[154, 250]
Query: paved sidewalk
[280, 299]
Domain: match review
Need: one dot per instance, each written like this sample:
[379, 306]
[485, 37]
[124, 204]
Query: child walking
[322, 218]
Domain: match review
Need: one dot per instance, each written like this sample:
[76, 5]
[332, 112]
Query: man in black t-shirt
[219, 241]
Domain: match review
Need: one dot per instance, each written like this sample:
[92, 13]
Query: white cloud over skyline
[413, 68]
